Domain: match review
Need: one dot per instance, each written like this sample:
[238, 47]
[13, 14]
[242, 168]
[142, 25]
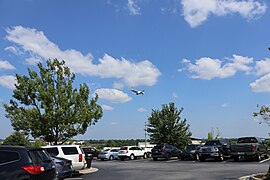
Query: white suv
[71, 152]
[131, 152]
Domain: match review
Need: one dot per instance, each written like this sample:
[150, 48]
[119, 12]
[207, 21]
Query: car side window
[70, 150]
[8, 157]
[52, 151]
[132, 148]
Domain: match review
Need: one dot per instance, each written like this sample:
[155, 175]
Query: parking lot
[173, 169]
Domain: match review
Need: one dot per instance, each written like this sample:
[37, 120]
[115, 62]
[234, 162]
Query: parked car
[71, 152]
[91, 150]
[215, 149]
[63, 167]
[131, 152]
[109, 154]
[21, 163]
[249, 147]
[165, 151]
[190, 152]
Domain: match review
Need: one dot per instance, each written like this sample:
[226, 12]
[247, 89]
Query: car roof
[19, 147]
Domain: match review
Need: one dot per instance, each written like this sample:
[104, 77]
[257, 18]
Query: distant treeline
[99, 144]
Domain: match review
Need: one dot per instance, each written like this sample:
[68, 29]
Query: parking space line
[264, 160]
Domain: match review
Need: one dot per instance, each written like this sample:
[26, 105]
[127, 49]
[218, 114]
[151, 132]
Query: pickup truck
[249, 147]
[215, 149]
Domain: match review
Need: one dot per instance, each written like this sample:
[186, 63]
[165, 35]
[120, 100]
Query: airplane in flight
[137, 92]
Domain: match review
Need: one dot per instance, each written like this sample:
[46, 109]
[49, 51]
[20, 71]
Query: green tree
[17, 138]
[47, 106]
[213, 135]
[166, 126]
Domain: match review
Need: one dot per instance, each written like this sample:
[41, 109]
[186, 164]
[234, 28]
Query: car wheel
[122, 158]
[258, 157]
[154, 158]
[132, 157]
[102, 159]
[168, 157]
[197, 157]
[221, 157]
[144, 156]
[201, 159]
[111, 157]
[236, 158]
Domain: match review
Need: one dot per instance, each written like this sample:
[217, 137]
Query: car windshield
[212, 143]
[107, 149]
[158, 147]
[191, 147]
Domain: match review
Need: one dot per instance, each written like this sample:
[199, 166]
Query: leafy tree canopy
[47, 106]
[166, 126]
[17, 138]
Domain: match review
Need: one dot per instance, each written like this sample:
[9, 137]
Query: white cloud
[197, 11]
[6, 65]
[112, 95]
[133, 7]
[130, 73]
[33, 60]
[207, 68]
[8, 81]
[142, 110]
[174, 95]
[118, 85]
[106, 107]
[262, 67]
[14, 50]
[262, 84]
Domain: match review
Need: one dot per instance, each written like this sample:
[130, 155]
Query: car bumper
[209, 155]
[243, 153]
[103, 156]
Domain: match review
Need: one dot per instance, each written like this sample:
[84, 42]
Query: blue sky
[208, 56]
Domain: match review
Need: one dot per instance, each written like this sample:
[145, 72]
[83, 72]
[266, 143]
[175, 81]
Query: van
[71, 152]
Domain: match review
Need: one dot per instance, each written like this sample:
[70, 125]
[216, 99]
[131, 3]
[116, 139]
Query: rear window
[70, 150]
[212, 143]
[247, 140]
[124, 148]
[52, 151]
[39, 156]
[8, 157]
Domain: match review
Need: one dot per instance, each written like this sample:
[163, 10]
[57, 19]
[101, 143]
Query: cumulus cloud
[141, 110]
[106, 107]
[262, 67]
[112, 95]
[262, 84]
[197, 11]
[6, 65]
[133, 7]
[208, 68]
[8, 81]
[128, 72]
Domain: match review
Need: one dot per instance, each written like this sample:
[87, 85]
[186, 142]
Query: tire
[201, 159]
[258, 157]
[122, 158]
[111, 157]
[132, 157]
[236, 158]
[144, 156]
[154, 158]
[102, 159]
[221, 157]
[168, 157]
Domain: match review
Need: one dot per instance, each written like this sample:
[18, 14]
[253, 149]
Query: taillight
[253, 147]
[80, 157]
[34, 169]
[126, 151]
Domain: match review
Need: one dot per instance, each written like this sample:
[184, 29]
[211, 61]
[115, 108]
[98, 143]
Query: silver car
[109, 154]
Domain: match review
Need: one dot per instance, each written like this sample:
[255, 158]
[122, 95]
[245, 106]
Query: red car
[91, 150]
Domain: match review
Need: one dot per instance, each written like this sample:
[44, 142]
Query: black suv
[165, 151]
[21, 163]
[216, 149]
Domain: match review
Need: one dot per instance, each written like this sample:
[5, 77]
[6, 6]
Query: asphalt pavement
[174, 169]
